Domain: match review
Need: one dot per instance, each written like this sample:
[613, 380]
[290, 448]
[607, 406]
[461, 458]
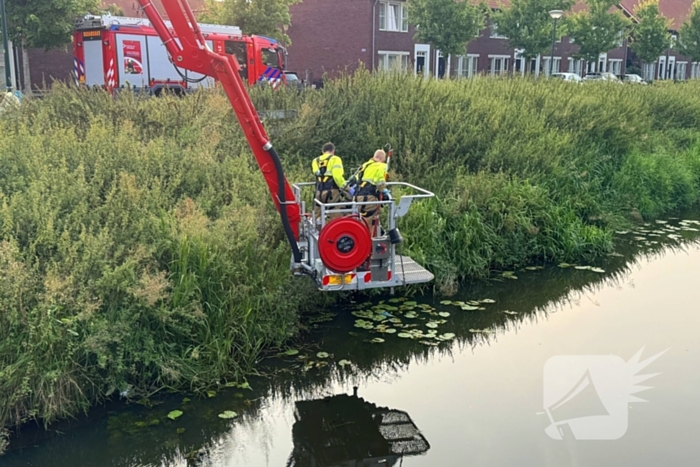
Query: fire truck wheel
[344, 244]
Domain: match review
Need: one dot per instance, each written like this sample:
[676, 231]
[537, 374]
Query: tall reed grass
[139, 249]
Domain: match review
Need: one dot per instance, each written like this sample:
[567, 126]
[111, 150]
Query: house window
[695, 70]
[681, 70]
[393, 61]
[662, 68]
[392, 17]
[615, 66]
[575, 66]
[467, 66]
[648, 71]
[494, 32]
[498, 64]
[555, 68]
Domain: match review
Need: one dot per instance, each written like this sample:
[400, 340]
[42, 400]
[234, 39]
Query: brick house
[375, 32]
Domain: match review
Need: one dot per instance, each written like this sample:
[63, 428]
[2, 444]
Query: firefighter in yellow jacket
[371, 179]
[329, 173]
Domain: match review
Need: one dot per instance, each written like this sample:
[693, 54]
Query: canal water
[544, 367]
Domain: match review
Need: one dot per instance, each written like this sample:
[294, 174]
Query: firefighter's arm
[338, 173]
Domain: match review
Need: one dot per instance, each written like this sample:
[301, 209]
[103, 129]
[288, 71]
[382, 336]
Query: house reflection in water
[347, 431]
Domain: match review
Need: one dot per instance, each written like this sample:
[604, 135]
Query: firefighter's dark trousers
[328, 196]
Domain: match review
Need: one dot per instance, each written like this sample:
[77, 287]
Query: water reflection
[399, 373]
[348, 431]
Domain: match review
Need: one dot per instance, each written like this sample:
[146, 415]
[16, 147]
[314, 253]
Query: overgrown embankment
[139, 248]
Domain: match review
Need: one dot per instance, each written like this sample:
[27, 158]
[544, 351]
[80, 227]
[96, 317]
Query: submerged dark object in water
[340, 429]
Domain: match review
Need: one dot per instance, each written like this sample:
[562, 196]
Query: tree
[447, 25]
[689, 35]
[651, 33]
[597, 30]
[528, 26]
[263, 17]
[43, 24]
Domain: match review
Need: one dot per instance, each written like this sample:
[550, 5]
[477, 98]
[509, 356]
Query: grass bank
[139, 249]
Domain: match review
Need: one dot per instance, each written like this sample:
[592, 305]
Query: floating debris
[228, 414]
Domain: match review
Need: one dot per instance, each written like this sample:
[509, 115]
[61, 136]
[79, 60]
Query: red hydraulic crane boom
[190, 52]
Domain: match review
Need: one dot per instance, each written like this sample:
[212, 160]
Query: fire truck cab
[120, 52]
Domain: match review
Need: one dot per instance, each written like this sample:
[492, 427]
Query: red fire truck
[117, 52]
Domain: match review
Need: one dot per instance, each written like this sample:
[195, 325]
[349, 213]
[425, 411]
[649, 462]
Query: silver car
[602, 77]
[572, 77]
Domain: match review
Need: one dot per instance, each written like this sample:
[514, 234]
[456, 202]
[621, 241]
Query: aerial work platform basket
[343, 251]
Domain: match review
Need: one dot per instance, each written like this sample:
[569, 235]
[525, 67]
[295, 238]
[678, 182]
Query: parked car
[602, 77]
[634, 79]
[293, 80]
[573, 77]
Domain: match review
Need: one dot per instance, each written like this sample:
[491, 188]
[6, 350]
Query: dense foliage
[139, 248]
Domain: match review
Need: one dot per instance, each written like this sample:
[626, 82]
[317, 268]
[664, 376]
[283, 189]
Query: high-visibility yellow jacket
[373, 173]
[329, 173]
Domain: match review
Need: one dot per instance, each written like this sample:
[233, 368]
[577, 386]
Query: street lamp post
[555, 14]
[6, 48]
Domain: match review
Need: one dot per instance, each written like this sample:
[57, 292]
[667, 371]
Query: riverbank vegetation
[140, 250]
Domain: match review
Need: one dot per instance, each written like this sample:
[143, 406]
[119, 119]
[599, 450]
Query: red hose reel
[344, 244]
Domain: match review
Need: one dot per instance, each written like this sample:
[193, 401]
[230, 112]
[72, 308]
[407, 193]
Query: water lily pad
[344, 362]
[444, 314]
[404, 335]
[484, 331]
[428, 343]
[487, 300]
[582, 268]
[411, 314]
[390, 331]
[322, 355]
[661, 222]
[186, 400]
[211, 393]
[598, 270]
[509, 312]
[410, 304]
[447, 336]
[431, 324]
[565, 265]
[509, 275]
[228, 414]
[395, 320]
[180, 431]
[446, 302]
[175, 414]
[377, 340]
[469, 307]
[291, 352]
[394, 300]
